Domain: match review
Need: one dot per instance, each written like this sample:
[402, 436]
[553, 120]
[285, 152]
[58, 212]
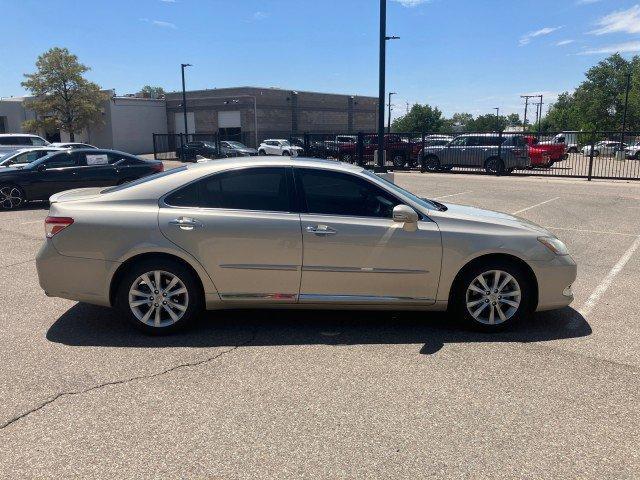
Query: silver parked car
[497, 154]
[271, 231]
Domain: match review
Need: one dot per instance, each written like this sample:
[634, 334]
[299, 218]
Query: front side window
[459, 142]
[336, 193]
[37, 142]
[61, 160]
[262, 189]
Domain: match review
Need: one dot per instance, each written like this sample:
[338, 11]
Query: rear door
[241, 226]
[55, 174]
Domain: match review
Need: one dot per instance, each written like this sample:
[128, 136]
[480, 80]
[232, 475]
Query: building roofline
[270, 89]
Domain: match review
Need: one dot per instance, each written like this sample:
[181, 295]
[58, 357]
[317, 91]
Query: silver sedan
[264, 232]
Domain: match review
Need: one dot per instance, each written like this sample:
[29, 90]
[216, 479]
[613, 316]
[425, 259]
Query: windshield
[420, 201]
[286, 143]
[236, 144]
[142, 180]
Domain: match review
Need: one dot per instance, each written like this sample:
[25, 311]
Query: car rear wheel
[492, 294]
[637, 155]
[346, 158]
[494, 166]
[399, 160]
[432, 164]
[159, 296]
[596, 153]
[286, 153]
[11, 196]
[262, 152]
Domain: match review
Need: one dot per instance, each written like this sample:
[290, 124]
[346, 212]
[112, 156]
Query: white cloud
[626, 47]
[564, 42]
[620, 21]
[411, 3]
[586, 2]
[526, 39]
[160, 23]
[168, 1]
[260, 15]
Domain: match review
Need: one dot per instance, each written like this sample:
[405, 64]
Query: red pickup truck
[555, 151]
[399, 151]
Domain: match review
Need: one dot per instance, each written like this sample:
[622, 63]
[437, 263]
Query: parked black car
[68, 169]
[209, 149]
[230, 148]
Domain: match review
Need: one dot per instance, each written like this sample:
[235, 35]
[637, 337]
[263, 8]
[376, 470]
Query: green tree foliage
[487, 123]
[513, 120]
[598, 102]
[63, 98]
[152, 92]
[421, 118]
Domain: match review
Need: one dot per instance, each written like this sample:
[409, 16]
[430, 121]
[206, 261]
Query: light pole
[381, 92]
[184, 98]
[624, 115]
[389, 119]
[539, 113]
[497, 109]
[526, 108]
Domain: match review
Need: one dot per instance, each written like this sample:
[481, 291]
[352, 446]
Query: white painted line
[603, 232]
[608, 280]
[536, 205]
[452, 195]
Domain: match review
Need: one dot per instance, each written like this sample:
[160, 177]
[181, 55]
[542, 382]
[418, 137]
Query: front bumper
[555, 279]
[73, 278]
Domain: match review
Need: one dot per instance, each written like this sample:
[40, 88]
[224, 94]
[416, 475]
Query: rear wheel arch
[126, 265]
[487, 258]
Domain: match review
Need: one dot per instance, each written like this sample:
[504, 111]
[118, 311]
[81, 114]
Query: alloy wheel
[493, 297]
[158, 298]
[10, 197]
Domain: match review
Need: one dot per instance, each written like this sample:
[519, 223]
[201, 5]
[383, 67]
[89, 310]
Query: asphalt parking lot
[277, 394]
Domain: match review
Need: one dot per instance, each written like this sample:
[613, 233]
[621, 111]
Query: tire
[399, 160]
[143, 316]
[262, 152]
[494, 166]
[346, 158]
[572, 150]
[596, 153]
[446, 168]
[286, 153]
[637, 155]
[432, 164]
[11, 196]
[468, 297]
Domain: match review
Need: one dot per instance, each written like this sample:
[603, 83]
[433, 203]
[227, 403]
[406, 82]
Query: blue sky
[460, 55]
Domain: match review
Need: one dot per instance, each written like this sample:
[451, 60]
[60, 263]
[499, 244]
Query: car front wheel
[11, 196]
[494, 166]
[159, 296]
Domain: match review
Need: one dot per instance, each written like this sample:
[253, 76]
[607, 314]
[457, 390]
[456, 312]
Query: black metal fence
[606, 155]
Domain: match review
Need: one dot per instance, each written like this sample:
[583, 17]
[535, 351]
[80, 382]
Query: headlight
[555, 245]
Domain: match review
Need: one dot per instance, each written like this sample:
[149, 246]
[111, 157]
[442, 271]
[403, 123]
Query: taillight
[158, 167]
[54, 225]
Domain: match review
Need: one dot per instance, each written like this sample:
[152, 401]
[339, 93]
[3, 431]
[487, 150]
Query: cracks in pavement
[180, 366]
[18, 263]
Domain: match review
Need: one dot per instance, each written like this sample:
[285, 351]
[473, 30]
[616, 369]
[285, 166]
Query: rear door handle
[185, 223]
[321, 230]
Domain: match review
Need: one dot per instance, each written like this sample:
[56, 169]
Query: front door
[354, 252]
[55, 174]
[241, 227]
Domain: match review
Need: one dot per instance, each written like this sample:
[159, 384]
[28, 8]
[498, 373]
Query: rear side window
[262, 189]
[62, 160]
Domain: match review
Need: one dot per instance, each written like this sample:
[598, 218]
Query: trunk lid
[75, 194]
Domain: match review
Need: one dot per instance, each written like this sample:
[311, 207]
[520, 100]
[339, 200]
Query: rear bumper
[555, 278]
[73, 278]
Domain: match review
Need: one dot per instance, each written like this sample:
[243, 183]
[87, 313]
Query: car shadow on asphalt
[87, 325]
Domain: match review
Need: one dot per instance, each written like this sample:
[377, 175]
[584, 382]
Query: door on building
[179, 122]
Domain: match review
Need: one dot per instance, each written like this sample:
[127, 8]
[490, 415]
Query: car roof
[19, 135]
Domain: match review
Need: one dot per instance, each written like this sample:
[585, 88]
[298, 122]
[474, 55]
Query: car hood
[462, 212]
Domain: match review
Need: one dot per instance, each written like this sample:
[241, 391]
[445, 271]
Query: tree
[421, 118]
[513, 120]
[487, 123]
[63, 98]
[152, 92]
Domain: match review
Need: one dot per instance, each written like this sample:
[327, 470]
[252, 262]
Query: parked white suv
[21, 140]
[279, 147]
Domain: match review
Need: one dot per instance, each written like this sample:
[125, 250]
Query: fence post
[593, 146]
[307, 143]
[155, 150]
[500, 148]
[182, 152]
[359, 147]
[423, 163]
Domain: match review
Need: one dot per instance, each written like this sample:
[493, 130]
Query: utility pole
[624, 115]
[497, 109]
[184, 98]
[390, 108]
[407, 108]
[382, 89]
[526, 106]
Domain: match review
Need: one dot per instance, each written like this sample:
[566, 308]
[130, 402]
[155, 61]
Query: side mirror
[404, 214]
[42, 167]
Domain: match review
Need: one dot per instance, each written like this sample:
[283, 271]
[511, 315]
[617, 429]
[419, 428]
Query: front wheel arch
[496, 257]
[124, 267]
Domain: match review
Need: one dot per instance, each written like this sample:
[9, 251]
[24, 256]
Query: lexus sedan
[271, 231]
[67, 169]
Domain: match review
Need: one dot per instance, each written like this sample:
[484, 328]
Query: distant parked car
[568, 139]
[555, 151]
[497, 154]
[633, 151]
[279, 147]
[70, 169]
[72, 145]
[230, 148]
[436, 140]
[400, 152]
[605, 147]
[26, 155]
[11, 140]
[191, 150]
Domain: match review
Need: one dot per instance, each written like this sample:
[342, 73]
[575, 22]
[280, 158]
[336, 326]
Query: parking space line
[451, 195]
[602, 232]
[608, 280]
[536, 205]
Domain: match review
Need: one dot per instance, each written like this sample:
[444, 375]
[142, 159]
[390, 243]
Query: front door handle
[186, 223]
[321, 230]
